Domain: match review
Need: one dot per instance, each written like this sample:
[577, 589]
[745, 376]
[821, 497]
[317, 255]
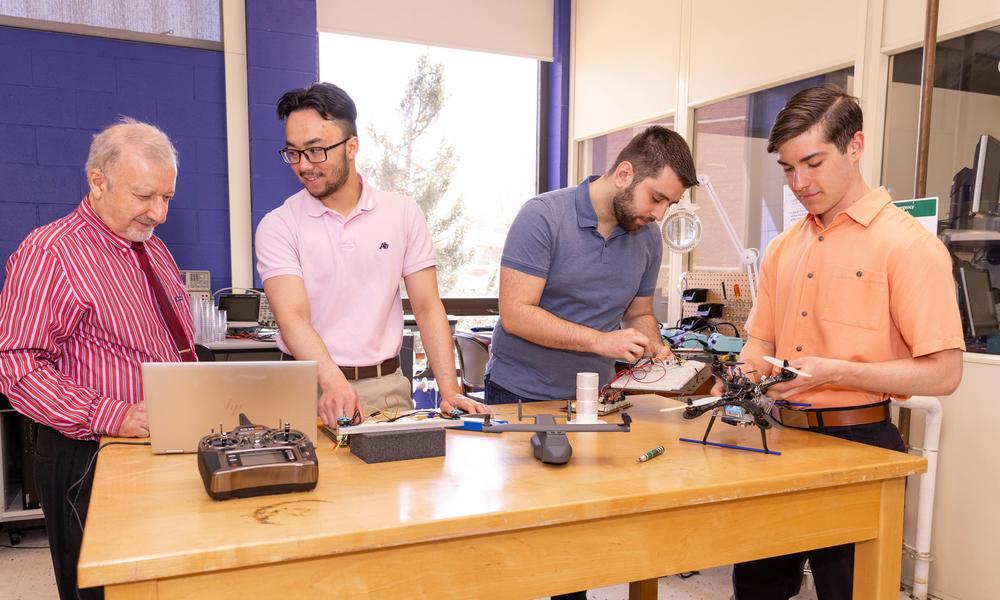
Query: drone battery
[386, 446]
[694, 295]
[709, 310]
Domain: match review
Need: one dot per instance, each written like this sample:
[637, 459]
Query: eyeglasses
[316, 154]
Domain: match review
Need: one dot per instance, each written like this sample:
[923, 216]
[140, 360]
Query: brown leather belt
[832, 417]
[386, 367]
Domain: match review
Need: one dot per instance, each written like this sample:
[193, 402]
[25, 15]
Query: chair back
[473, 354]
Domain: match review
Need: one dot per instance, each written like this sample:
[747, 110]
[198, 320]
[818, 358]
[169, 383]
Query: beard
[621, 204]
[338, 177]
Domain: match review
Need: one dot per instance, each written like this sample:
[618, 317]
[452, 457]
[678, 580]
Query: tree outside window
[453, 129]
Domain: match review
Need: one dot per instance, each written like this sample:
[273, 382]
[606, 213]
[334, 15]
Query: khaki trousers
[391, 394]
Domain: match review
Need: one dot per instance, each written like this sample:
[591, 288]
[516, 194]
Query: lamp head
[681, 228]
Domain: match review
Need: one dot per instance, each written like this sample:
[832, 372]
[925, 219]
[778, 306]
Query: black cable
[90, 465]
[736, 330]
[422, 411]
[24, 547]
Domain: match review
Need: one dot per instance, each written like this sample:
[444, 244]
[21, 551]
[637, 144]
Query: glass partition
[730, 146]
[963, 169]
[598, 153]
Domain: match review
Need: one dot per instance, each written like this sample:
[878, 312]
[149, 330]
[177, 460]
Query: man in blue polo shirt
[578, 272]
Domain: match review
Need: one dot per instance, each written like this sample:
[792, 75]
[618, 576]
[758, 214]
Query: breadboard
[661, 378]
[735, 310]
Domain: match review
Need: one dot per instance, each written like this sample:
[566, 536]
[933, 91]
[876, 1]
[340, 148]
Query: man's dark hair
[331, 102]
[655, 148]
[827, 104]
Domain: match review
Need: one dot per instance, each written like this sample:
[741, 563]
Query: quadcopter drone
[744, 402]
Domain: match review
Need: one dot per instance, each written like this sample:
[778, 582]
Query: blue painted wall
[57, 90]
[282, 54]
[558, 134]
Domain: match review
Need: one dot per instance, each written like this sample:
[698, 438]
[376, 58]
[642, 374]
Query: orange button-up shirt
[874, 286]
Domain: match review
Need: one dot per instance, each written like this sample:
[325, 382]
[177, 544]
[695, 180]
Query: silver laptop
[186, 401]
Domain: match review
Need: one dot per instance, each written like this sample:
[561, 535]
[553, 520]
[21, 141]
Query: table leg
[878, 562]
[642, 590]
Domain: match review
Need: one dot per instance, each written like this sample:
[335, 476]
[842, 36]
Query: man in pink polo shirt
[331, 259]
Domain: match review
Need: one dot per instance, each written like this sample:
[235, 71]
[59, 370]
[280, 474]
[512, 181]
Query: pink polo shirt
[351, 267]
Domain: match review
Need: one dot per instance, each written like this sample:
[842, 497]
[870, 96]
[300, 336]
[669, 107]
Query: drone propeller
[694, 403]
[783, 364]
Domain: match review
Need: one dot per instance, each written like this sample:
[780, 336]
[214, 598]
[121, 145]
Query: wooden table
[490, 521]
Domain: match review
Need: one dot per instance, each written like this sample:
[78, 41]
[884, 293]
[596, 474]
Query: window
[598, 154]
[455, 130]
[730, 146]
[172, 21]
[964, 109]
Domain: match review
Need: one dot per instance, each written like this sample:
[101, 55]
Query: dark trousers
[778, 578]
[494, 393]
[59, 463]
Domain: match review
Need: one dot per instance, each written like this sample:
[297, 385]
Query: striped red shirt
[77, 317]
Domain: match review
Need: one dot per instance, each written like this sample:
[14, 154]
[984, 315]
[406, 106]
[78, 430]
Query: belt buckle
[794, 418]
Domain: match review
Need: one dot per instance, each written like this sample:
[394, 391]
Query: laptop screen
[187, 401]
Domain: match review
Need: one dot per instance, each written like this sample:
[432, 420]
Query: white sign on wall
[924, 210]
[793, 209]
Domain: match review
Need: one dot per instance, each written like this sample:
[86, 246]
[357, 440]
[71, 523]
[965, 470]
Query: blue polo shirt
[588, 280]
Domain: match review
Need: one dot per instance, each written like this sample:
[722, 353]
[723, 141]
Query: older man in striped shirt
[88, 298]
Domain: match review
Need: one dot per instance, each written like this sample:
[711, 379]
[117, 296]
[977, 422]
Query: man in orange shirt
[859, 295]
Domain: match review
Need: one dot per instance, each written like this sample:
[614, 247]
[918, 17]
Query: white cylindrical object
[586, 380]
[586, 398]
[586, 412]
[925, 503]
[223, 324]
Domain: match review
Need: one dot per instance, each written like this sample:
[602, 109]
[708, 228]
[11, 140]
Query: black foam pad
[385, 446]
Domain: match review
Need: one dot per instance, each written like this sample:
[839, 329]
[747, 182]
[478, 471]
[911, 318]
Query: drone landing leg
[731, 446]
[763, 440]
[711, 422]
[704, 441]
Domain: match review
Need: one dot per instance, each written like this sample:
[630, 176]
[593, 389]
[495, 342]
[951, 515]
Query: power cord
[79, 482]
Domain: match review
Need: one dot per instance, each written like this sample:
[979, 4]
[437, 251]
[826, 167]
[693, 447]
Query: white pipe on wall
[925, 503]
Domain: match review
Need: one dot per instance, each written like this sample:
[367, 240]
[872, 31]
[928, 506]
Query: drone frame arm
[550, 426]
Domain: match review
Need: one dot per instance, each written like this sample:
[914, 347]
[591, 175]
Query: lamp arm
[748, 256]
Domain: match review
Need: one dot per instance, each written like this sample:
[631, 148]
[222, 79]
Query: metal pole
[923, 140]
[926, 97]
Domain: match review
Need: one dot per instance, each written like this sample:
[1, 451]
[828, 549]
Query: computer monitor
[975, 295]
[986, 165]
[242, 310]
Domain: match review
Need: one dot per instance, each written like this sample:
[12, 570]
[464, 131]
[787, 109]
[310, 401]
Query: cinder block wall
[282, 54]
[57, 90]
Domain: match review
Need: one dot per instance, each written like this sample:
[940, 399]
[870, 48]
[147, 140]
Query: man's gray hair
[129, 135]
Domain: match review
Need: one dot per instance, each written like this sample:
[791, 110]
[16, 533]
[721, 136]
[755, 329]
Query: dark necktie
[166, 306]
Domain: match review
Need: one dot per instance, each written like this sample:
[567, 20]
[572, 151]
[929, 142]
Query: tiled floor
[26, 569]
[27, 575]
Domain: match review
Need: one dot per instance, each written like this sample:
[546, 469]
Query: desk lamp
[682, 231]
